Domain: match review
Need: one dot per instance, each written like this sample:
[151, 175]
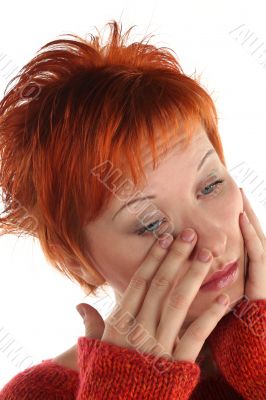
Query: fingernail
[204, 255]
[165, 243]
[80, 310]
[223, 299]
[188, 235]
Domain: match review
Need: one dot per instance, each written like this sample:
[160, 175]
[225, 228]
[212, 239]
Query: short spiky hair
[75, 105]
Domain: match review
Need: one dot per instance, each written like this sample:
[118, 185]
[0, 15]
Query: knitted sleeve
[44, 381]
[108, 371]
[238, 345]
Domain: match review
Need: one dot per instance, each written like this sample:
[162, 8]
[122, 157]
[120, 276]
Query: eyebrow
[209, 152]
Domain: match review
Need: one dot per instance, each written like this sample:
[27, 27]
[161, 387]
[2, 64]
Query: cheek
[129, 261]
[234, 201]
[115, 261]
[229, 203]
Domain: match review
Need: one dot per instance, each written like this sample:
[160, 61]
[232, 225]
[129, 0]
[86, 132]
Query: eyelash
[147, 229]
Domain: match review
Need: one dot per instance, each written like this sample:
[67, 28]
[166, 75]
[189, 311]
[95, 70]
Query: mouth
[222, 278]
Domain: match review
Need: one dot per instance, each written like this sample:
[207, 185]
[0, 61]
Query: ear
[95, 278]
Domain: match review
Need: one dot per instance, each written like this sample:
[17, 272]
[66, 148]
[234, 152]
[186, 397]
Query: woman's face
[181, 197]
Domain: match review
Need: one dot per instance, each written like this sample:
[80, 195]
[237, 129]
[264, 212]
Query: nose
[213, 239]
[211, 236]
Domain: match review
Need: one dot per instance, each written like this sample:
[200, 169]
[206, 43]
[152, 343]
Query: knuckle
[160, 281]
[197, 271]
[198, 333]
[177, 301]
[156, 255]
[178, 250]
[137, 282]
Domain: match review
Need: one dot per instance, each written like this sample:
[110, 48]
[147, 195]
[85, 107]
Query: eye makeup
[141, 229]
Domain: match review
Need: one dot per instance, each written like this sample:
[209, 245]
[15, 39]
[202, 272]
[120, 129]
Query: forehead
[176, 161]
[178, 164]
[186, 155]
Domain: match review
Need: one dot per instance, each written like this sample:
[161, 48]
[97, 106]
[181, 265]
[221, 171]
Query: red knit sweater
[238, 345]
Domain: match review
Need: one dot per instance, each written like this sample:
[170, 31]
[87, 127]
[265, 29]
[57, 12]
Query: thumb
[94, 324]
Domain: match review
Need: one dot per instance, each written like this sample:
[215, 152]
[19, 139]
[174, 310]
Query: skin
[216, 223]
[214, 216]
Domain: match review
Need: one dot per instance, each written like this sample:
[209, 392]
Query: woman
[87, 130]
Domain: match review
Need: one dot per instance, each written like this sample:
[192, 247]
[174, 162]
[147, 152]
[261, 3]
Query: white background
[37, 304]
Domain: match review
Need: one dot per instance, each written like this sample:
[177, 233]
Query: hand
[153, 308]
[93, 321]
[255, 242]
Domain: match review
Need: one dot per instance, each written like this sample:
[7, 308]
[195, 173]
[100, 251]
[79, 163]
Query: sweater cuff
[238, 345]
[247, 317]
[108, 371]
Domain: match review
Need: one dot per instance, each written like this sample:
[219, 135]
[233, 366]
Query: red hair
[76, 107]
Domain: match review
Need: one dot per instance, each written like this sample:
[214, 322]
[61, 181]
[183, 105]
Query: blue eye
[214, 184]
[150, 227]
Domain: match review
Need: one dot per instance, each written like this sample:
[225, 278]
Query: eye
[158, 223]
[213, 185]
[149, 228]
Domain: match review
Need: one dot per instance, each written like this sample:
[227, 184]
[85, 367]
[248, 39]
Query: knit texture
[107, 371]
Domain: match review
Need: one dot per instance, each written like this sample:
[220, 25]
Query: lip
[222, 278]
[219, 273]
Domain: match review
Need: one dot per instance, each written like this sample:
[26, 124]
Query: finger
[189, 346]
[253, 217]
[256, 253]
[93, 321]
[163, 280]
[134, 294]
[180, 299]
[253, 243]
